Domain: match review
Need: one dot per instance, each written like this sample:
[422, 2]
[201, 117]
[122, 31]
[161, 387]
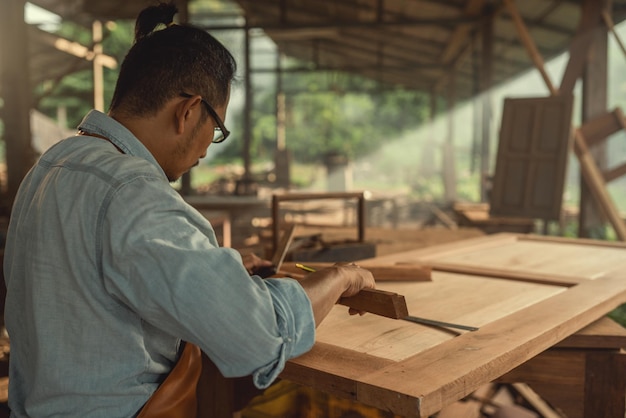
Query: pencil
[305, 268]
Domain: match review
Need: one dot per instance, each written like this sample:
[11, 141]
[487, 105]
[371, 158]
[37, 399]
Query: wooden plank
[556, 260]
[608, 20]
[379, 302]
[549, 279]
[614, 173]
[453, 369]
[573, 241]
[414, 371]
[449, 298]
[529, 44]
[338, 369]
[581, 45]
[381, 272]
[600, 127]
[604, 333]
[442, 250]
[460, 37]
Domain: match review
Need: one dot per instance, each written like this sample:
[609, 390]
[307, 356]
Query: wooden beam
[581, 45]
[608, 20]
[597, 129]
[528, 42]
[381, 272]
[614, 173]
[461, 35]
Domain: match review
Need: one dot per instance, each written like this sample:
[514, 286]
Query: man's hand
[358, 278]
[324, 287]
[254, 263]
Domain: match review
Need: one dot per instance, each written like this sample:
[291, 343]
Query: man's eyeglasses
[221, 133]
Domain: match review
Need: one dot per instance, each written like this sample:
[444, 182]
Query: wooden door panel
[532, 157]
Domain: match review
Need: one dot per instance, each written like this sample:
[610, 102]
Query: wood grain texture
[381, 272]
[521, 255]
[379, 302]
[418, 370]
[453, 369]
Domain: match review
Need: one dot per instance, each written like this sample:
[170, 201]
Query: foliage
[342, 114]
[619, 314]
[75, 90]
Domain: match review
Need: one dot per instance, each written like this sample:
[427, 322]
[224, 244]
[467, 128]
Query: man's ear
[185, 110]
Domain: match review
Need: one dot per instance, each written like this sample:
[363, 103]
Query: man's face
[192, 147]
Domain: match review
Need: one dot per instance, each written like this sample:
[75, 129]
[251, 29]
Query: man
[108, 269]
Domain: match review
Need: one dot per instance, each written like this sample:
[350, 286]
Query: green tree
[74, 92]
[344, 115]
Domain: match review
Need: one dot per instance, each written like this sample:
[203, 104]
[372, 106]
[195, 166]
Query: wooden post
[594, 102]
[449, 173]
[16, 93]
[486, 75]
[183, 16]
[281, 157]
[98, 71]
[247, 115]
[528, 42]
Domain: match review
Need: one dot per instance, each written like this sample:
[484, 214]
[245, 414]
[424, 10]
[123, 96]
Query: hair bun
[151, 17]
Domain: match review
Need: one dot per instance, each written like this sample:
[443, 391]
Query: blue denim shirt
[108, 268]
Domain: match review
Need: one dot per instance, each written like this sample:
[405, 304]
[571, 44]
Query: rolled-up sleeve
[295, 323]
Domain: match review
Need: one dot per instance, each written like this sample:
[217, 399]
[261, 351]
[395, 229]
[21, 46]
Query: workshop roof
[416, 44]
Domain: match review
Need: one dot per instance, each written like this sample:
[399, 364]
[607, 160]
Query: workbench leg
[216, 394]
[605, 384]
[221, 397]
[581, 383]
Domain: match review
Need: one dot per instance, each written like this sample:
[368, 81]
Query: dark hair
[161, 64]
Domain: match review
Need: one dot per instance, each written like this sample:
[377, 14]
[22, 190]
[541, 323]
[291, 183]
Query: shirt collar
[96, 122]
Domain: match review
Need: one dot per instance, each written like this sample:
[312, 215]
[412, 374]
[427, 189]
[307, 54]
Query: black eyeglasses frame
[220, 124]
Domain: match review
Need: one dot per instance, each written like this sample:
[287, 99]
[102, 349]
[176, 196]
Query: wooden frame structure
[536, 301]
[524, 292]
[597, 127]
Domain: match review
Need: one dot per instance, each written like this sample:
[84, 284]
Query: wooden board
[415, 371]
[532, 157]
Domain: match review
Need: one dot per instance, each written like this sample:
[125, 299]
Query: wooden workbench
[525, 293]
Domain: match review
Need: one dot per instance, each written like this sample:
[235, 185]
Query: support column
[594, 102]
[98, 70]
[449, 166]
[245, 186]
[486, 76]
[281, 157]
[183, 16]
[16, 91]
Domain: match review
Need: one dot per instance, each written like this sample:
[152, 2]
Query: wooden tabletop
[525, 293]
